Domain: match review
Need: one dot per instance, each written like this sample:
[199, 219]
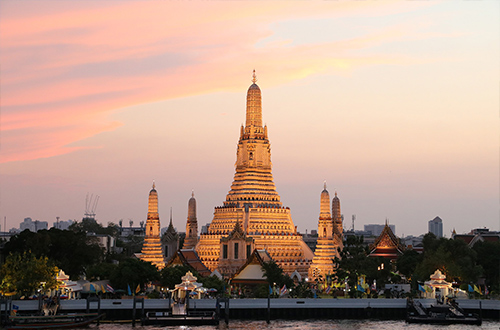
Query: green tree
[301, 290]
[275, 275]
[134, 272]
[171, 276]
[101, 271]
[452, 257]
[488, 257]
[213, 282]
[354, 261]
[408, 262]
[26, 273]
[72, 251]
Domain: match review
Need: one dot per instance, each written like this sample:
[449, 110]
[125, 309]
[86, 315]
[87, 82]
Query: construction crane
[91, 206]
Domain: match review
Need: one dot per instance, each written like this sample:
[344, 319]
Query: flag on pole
[138, 289]
[102, 288]
[92, 288]
[471, 289]
[486, 292]
[421, 288]
[270, 290]
[109, 288]
[283, 290]
[328, 289]
[476, 289]
[360, 288]
[427, 288]
[128, 290]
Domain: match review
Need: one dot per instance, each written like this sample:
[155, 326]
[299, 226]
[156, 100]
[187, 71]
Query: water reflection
[309, 325]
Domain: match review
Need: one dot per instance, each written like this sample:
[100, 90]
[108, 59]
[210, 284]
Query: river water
[310, 325]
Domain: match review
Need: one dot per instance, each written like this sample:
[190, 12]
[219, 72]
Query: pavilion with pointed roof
[251, 272]
[387, 245]
[188, 257]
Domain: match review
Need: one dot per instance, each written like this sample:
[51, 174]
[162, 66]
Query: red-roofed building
[189, 257]
[387, 245]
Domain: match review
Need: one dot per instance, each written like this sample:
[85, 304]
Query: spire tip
[254, 77]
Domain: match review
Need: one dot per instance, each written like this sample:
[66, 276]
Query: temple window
[236, 248]
[224, 251]
[249, 250]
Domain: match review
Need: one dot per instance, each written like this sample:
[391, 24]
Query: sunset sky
[395, 104]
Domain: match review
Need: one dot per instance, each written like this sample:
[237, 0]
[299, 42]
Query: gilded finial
[154, 184]
[192, 193]
[335, 193]
[254, 77]
[324, 185]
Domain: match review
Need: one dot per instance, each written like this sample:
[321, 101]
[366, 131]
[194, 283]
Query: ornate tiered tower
[192, 225]
[170, 240]
[151, 250]
[254, 202]
[338, 228]
[326, 248]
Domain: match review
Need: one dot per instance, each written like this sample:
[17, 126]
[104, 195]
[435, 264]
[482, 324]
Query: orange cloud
[66, 66]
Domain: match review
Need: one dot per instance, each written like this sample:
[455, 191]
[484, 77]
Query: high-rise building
[33, 226]
[436, 227]
[254, 202]
[328, 239]
[191, 225]
[152, 249]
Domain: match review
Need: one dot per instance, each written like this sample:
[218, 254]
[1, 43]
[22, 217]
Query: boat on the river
[441, 313]
[191, 318]
[62, 321]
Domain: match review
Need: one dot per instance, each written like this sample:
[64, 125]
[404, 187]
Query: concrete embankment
[122, 309]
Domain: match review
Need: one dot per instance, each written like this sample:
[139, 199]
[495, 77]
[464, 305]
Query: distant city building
[311, 239]
[63, 225]
[414, 243]
[376, 230]
[478, 235]
[33, 226]
[436, 227]
[107, 242]
[204, 229]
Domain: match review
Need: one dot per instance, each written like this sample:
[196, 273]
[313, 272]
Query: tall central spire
[253, 182]
[254, 105]
[254, 206]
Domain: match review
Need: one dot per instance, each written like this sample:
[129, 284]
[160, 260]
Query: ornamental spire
[254, 105]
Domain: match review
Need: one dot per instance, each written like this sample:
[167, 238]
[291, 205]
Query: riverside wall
[285, 308]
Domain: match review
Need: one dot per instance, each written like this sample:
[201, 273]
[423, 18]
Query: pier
[122, 310]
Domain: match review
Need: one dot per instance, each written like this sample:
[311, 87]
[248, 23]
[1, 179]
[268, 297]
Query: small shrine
[188, 287]
[69, 289]
[440, 288]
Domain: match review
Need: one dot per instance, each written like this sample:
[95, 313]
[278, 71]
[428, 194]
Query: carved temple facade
[252, 216]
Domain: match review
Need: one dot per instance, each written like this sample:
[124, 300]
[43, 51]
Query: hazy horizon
[394, 104]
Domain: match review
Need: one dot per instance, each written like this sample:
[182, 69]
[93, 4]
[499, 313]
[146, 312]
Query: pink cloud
[66, 66]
